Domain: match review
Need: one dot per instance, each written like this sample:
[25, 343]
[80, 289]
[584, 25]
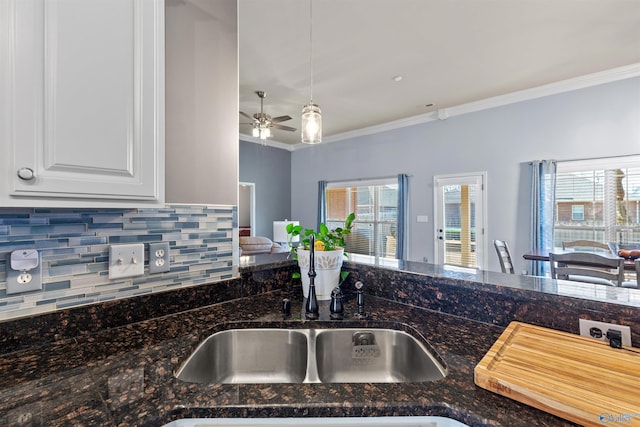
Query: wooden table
[541, 255]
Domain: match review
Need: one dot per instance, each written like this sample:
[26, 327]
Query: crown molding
[268, 142]
[589, 80]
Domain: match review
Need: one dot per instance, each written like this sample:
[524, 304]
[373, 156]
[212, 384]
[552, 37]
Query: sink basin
[373, 356]
[343, 355]
[243, 356]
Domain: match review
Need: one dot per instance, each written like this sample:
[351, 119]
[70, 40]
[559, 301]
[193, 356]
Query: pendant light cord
[311, 46]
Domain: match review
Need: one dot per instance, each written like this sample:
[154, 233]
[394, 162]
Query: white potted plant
[329, 254]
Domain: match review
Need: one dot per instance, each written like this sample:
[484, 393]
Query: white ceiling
[448, 52]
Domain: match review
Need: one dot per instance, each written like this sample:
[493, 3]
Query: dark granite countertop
[123, 376]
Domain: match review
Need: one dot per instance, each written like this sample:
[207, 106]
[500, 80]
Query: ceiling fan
[262, 122]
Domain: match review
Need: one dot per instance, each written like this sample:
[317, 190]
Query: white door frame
[252, 203]
[481, 214]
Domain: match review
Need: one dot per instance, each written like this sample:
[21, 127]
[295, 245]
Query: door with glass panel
[459, 204]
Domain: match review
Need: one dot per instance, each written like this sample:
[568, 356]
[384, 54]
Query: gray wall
[201, 102]
[600, 121]
[270, 169]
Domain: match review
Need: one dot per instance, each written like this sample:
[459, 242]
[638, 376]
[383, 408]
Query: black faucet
[312, 310]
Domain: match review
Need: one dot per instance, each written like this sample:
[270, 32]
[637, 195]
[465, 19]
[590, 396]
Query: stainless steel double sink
[343, 355]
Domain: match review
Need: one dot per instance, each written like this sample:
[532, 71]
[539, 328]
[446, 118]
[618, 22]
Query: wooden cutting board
[577, 378]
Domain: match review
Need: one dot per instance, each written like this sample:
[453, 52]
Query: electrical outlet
[19, 280]
[598, 330]
[126, 260]
[159, 257]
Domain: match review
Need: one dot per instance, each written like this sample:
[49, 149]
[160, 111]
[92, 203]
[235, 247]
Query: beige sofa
[252, 245]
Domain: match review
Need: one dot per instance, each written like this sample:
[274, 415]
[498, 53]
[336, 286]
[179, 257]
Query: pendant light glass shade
[311, 115]
[311, 124]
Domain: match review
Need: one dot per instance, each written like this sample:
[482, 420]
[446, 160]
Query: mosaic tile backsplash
[74, 248]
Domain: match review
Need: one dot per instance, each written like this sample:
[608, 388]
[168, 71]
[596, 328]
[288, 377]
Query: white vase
[328, 265]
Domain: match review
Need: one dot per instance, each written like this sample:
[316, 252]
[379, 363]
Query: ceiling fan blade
[280, 119]
[246, 115]
[282, 127]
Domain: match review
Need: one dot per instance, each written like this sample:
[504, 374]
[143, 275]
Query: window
[577, 212]
[598, 200]
[375, 203]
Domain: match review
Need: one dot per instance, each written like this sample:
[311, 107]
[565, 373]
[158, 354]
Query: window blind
[375, 203]
[606, 192]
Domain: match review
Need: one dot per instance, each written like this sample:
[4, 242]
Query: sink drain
[365, 352]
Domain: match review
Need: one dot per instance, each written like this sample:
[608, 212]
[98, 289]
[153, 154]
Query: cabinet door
[87, 99]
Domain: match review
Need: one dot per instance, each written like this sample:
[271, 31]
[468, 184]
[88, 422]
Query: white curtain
[543, 183]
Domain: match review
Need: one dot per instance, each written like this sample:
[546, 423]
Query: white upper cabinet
[82, 102]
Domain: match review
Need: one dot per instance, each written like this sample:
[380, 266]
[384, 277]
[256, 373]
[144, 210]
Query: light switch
[126, 260]
[422, 218]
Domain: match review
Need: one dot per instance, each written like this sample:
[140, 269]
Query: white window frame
[364, 183]
[604, 163]
[577, 214]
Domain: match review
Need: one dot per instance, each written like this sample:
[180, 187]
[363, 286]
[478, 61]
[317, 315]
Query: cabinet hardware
[26, 174]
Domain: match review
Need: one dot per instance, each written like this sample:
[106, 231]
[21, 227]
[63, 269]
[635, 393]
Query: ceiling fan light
[267, 133]
[255, 132]
[311, 124]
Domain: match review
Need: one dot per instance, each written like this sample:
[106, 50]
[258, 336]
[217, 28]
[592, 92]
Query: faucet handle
[360, 313]
[337, 308]
[286, 307]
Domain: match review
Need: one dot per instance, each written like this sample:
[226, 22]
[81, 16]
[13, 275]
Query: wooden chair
[632, 280]
[630, 284]
[504, 256]
[633, 284]
[587, 245]
[588, 267]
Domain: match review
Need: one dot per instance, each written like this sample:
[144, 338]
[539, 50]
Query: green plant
[325, 239]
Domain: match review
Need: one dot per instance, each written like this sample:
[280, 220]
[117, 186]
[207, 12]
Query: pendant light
[311, 115]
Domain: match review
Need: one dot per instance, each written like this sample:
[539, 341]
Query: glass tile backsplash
[74, 248]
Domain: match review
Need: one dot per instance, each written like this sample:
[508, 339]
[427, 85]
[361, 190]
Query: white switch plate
[422, 218]
[586, 325]
[126, 260]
